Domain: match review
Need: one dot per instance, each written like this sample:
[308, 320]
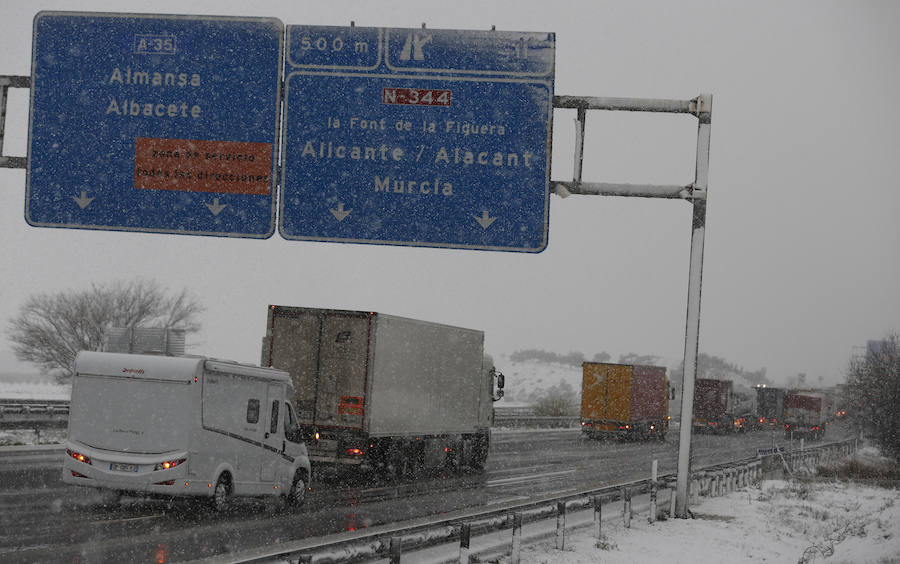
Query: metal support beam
[692, 326]
[695, 106]
[674, 191]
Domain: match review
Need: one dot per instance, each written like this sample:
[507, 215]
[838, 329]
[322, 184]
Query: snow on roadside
[774, 521]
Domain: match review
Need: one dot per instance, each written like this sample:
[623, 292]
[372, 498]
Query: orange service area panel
[203, 166]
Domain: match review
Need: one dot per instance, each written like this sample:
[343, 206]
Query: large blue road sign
[417, 137]
[154, 123]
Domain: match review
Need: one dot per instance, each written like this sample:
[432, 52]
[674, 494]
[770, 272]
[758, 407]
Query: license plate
[325, 445]
[123, 467]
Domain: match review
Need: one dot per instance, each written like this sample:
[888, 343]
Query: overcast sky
[802, 238]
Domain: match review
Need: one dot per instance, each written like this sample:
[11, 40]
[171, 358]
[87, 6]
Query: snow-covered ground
[774, 521]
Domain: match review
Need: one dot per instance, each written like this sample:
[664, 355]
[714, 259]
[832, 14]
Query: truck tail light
[79, 457]
[166, 483]
[165, 465]
[355, 451]
[79, 475]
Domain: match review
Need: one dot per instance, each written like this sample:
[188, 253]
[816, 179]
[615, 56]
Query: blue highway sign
[166, 124]
[417, 137]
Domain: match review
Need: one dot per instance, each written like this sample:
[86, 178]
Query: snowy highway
[43, 520]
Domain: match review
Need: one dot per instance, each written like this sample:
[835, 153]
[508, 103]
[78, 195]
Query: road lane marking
[505, 481]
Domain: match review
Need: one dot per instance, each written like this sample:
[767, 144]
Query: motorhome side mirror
[501, 380]
[294, 434]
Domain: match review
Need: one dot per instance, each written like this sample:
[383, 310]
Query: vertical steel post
[671, 501]
[598, 515]
[579, 144]
[516, 540]
[626, 507]
[3, 92]
[692, 326]
[465, 535]
[654, 490]
[560, 525]
[395, 550]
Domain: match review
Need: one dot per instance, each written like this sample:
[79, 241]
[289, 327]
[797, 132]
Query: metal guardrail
[502, 420]
[53, 414]
[33, 414]
[390, 543]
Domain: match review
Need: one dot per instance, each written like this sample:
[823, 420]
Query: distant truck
[714, 407]
[389, 393]
[183, 426]
[805, 414]
[769, 407]
[624, 401]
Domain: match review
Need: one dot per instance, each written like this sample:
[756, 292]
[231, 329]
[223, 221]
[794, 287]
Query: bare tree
[556, 401]
[50, 329]
[873, 394]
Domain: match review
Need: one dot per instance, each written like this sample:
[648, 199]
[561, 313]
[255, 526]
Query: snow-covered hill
[528, 381]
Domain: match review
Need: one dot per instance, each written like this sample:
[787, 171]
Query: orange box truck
[624, 401]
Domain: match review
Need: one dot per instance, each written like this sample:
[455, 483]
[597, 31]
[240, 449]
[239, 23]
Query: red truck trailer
[713, 406]
[804, 414]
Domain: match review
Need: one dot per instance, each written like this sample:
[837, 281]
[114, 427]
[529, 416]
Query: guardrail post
[671, 502]
[517, 539]
[654, 489]
[560, 525]
[395, 550]
[465, 533]
[598, 515]
[626, 510]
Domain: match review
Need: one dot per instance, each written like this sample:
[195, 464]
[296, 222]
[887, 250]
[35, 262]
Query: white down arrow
[485, 220]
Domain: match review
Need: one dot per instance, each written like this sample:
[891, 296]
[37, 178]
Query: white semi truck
[183, 426]
[394, 394]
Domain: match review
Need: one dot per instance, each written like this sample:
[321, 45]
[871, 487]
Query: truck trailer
[183, 426]
[388, 393]
[714, 406]
[624, 401]
[769, 407]
[805, 414]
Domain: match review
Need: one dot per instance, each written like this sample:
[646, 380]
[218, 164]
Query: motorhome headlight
[167, 464]
[79, 457]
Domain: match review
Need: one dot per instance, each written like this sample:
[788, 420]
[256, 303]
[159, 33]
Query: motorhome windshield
[129, 414]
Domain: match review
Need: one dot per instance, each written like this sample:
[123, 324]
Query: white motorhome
[183, 426]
